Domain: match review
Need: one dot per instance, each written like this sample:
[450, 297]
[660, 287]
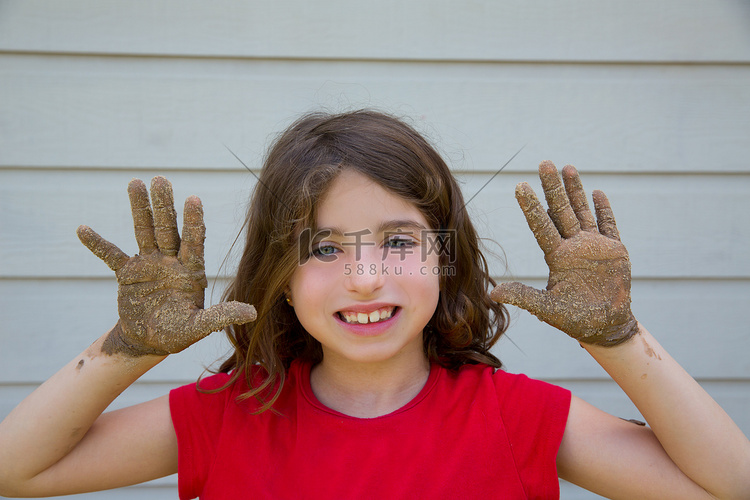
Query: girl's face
[371, 282]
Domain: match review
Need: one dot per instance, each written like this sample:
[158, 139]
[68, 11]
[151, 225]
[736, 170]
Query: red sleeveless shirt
[471, 433]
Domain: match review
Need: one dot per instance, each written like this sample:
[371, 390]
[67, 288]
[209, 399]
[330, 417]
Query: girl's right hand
[161, 289]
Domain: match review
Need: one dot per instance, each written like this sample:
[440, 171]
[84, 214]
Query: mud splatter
[650, 352]
[634, 421]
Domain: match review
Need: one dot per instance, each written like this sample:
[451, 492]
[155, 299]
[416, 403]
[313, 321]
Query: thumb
[219, 316]
[520, 295]
[108, 252]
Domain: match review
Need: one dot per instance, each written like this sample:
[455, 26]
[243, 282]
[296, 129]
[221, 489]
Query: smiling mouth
[361, 318]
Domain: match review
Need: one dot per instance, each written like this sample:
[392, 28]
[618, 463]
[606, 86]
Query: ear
[288, 296]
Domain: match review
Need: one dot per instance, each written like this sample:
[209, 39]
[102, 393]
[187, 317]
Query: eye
[325, 252]
[400, 241]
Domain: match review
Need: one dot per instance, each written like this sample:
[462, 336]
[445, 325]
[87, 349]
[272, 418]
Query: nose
[365, 275]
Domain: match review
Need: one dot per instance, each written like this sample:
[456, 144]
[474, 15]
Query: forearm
[694, 431]
[56, 416]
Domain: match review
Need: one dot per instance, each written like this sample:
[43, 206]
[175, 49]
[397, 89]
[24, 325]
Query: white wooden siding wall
[651, 102]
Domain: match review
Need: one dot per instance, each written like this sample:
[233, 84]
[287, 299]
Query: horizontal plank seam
[28, 384]
[456, 171]
[643, 279]
[141, 383]
[384, 59]
[163, 483]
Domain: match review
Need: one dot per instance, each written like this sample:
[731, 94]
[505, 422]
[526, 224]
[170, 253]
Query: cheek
[422, 281]
[425, 295]
[425, 271]
[432, 280]
[311, 283]
[303, 284]
[432, 291]
[307, 294]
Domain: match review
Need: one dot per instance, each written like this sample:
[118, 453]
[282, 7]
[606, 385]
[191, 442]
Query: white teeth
[365, 318]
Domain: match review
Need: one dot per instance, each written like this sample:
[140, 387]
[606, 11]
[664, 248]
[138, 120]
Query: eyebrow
[386, 225]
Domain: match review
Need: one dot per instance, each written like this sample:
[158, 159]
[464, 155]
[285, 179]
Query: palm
[588, 291]
[588, 283]
[157, 301]
[161, 290]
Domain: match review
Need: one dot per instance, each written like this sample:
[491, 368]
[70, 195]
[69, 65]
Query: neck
[368, 390]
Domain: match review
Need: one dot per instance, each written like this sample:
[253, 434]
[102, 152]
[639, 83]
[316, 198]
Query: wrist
[116, 342]
[112, 373]
[614, 336]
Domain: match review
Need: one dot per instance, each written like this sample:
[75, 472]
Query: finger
[193, 235]
[108, 252]
[219, 316]
[557, 200]
[577, 198]
[165, 217]
[539, 222]
[143, 219]
[523, 296]
[604, 216]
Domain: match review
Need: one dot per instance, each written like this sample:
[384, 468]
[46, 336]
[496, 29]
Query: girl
[367, 372]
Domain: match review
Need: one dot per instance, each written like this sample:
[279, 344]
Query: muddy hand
[588, 291]
[161, 289]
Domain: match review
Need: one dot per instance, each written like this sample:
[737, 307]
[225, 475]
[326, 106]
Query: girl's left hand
[588, 291]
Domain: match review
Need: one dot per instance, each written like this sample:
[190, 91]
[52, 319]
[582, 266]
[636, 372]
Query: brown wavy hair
[300, 166]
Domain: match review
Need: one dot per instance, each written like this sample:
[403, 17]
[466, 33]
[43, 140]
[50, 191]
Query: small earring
[289, 301]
